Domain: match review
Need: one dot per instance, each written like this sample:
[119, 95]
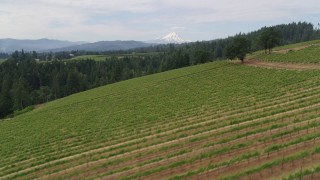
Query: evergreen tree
[73, 82]
[5, 106]
[21, 98]
[270, 38]
[238, 49]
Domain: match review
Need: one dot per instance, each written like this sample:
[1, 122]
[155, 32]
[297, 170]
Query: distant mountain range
[104, 46]
[47, 45]
[11, 45]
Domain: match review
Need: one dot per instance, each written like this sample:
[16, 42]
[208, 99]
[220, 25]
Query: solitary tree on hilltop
[238, 48]
[269, 39]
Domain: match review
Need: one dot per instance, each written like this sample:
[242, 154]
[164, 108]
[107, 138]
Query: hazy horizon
[142, 20]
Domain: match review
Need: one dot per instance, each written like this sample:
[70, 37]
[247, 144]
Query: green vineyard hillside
[219, 120]
[307, 52]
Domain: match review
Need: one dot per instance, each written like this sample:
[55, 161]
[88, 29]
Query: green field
[2, 60]
[297, 45]
[308, 52]
[104, 57]
[219, 119]
[93, 57]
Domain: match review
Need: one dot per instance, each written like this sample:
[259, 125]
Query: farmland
[94, 57]
[104, 57]
[2, 60]
[219, 119]
[308, 52]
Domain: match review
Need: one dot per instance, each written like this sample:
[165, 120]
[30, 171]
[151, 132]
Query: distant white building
[71, 55]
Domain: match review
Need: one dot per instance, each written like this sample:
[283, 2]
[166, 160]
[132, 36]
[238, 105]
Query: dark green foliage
[270, 38]
[25, 110]
[4, 55]
[238, 48]
[5, 105]
[20, 91]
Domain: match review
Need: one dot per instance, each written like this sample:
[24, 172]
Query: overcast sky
[96, 20]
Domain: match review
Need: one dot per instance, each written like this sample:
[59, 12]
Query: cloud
[93, 20]
[174, 28]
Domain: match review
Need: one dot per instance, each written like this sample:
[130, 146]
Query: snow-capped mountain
[173, 38]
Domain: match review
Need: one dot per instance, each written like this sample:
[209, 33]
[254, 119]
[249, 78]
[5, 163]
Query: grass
[93, 57]
[303, 173]
[2, 60]
[177, 124]
[308, 52]
[297, 45]
[23, 111]
[104, 57]
[308, 55]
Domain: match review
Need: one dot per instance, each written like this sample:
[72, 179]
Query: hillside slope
[104, 46]
[307, 52]
[11, 45]
[213, 120]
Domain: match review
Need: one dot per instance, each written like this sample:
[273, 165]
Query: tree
[44, 93]
[239, 47]
[269, 38]
[75, 82]
[55, 87]
[5, 106]
[34, 55]
[21, 95]
[5, 99]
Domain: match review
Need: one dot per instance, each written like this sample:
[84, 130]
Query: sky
[97, 20]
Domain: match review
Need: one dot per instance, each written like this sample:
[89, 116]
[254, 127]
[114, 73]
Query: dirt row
[280, 65]
[201, 144]
[168, 143]
[186, 145]
[254, 162]
[97, 150]
[305, 90]
[214, 159]
[141, 150]
[70, 157]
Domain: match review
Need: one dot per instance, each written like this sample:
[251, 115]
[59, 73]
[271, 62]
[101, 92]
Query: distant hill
[10, 45]
[104, 46]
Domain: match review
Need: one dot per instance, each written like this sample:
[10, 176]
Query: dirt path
[285, 51]
[279, 65]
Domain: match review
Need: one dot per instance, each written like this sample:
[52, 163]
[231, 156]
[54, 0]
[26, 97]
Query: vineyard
[219, 120]
[308, 52]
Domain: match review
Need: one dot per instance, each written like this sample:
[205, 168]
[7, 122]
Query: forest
[4, 55]
[30, 78]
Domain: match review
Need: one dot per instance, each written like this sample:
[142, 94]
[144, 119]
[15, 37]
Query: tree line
[4, 55]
